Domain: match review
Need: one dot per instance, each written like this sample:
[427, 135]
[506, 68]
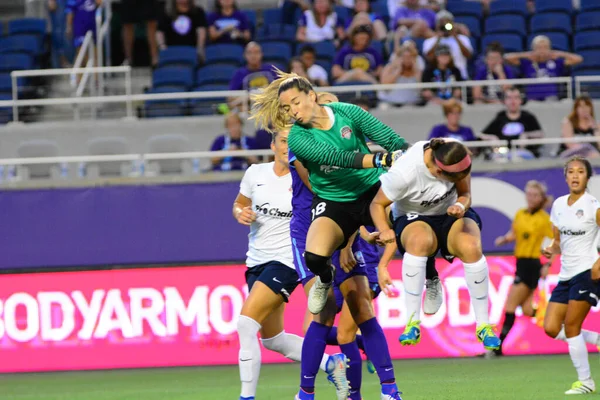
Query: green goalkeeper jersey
[329, 154]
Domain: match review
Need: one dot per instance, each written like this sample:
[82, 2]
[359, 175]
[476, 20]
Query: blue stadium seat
[474, 44]
[326, 64]
[15, 61]
[343, 13]
[587, 21]
[589, 5]
[29, 44]
[349, 96]
[465, 8]
[276, 52]
[559, 40]
[178, 55]
[218, 74]
[277, 32]
[472, 23]
[590, 88]
[562, 6]
[207, 106]
[164, 108]
[551, 22]
[5, 84]
[272, 16]
[506, 24]
[419, 43]
[586, 41]
[380, 8]
[325, 49]
[510, 41]
[379, 47]
[509, 7]
[167, 76]
[591, 60]
[27, 25]
[224, 54]
[251, 15]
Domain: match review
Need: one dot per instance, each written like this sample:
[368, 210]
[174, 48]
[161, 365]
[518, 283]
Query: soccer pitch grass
[514, 378]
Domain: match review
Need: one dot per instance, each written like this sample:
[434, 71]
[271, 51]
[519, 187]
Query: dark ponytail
[452, 158]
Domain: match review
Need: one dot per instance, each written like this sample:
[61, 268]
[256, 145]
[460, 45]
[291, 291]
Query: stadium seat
[587, 21]
[251, 15]
[179, 76]
[560, 41]
[272, 16]
[5, 84]
[509, 7]
[28, 44]
[169, 144]
[325, 49]
[349, 96]
[551, 22]
[590, 88]
[562, 6]
[379, 46]
[220, 74]
[225, 54]
[164, 108]
[38, 148]
[466, 8]
[276, 52]
[589, 5]
[506, 24]
[419, 42]
[510, 41]
[178, 56]
[586, 41]
[591, 60]
[277, 33]
[209, 105]
[15, 61]
[27, 25]
[343, 13]
[472, 23]
[104, 146]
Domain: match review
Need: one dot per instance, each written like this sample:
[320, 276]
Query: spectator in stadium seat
[404, 68]
[228, 24]
[413, 20]
[581, 122]
[434, 5]
[452, 128]
[454, 36]
[363, 15]
[320, 23]
[442, 70]
[514, 123]
[297, 67]
[185, 26]
[254, 75]
[543, 62]
[135, 11]
[316, 73]
[493, 69]
[233, 140]
[358, 61]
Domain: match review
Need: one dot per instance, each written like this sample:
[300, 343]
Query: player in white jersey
[265, 204]
[575, 218]
[430, 186]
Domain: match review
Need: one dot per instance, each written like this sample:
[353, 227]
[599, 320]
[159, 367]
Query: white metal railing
[80, 81]
[128, 97]
[584, 79]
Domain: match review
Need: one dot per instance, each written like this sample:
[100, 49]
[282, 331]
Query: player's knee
[552, 330]
[275, 343]
[470, 249]
[572, 328]
[315, 263]
[247, 327]
[419, 244]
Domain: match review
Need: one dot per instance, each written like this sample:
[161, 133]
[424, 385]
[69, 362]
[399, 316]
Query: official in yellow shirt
[529, 228]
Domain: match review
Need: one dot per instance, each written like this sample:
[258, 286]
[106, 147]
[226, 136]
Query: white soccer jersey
[578, 234]
[413, 189]
[271, 195]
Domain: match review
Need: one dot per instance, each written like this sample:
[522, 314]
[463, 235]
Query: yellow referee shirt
[530, 231]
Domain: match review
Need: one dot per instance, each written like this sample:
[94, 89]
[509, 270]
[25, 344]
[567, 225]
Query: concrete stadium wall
[412, 123]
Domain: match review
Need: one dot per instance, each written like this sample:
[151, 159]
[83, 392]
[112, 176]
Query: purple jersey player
[81, 18]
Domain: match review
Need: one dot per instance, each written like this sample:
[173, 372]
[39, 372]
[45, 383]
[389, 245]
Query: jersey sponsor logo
[327, 169]
[579, 213]
[272, 212]
[346, 132]
[569, 232]
[434, 201]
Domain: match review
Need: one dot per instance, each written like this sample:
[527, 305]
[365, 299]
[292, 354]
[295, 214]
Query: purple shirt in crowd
[367, 60]
[464, 133]
[548, 69]
[408, 13]
[484, 74]
[84, 18]
[238, 20]
[224, 142]
[245, 79]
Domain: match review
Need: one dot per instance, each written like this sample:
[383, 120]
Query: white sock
[413, 277]
[285, 344]
[476, 275]
[323, 365]
[589, 337]
[249, 356]
[579, 357]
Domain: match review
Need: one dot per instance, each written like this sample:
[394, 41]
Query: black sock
[326, 276]
[509, 321]
[534, 313]
[430, 271]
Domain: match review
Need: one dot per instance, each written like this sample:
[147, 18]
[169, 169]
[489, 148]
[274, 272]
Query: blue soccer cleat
[247, 398]
[336, 374]
[487, 336]
[389, 391]
[302, 395]
[411, 334]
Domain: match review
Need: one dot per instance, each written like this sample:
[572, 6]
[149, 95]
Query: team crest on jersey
[346, 132]
[579, 213]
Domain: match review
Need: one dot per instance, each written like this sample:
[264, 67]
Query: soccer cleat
[491, 354]
[247, 398]
[434, 296]
[411, 334]
[302, 395]
[487, 336]
[317, 296]
[579, 387]
[336, 373]
[389, 391]
[371, 367]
